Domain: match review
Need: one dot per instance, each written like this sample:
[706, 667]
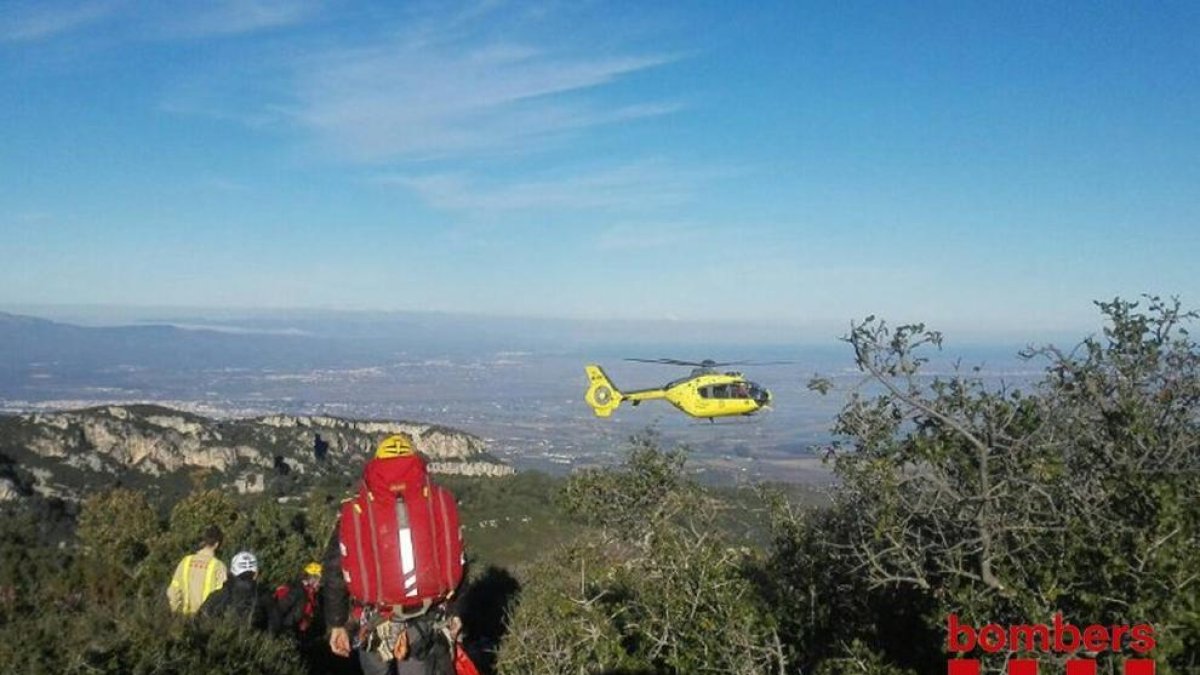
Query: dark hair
[212, 536]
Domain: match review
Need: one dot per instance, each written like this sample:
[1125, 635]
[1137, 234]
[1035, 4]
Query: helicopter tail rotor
[602, 395]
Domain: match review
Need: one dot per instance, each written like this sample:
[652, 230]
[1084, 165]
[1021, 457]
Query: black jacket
[242, 600]
[291, 609]
[335, 596]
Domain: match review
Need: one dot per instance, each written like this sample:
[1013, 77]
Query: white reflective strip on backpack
[408, 562]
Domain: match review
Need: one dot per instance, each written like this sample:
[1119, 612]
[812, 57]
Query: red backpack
[400, 540]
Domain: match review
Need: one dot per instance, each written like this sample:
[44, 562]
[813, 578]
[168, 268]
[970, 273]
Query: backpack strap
[417, 610]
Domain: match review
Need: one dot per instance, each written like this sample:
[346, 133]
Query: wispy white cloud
[444, 90]
[41, 21]
[426, 82]
[233, 17]
[31, 22]
[632, 187]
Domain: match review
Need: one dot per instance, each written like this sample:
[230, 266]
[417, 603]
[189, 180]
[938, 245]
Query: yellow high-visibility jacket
[196, 576]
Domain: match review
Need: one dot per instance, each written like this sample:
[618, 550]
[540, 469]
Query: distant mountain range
[26, 340]
[162, 450]
[41, 358]
[369, 334]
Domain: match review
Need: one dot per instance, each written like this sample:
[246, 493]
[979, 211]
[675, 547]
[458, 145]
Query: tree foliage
[655, 587]
[647, 489]
[135, 638]
[1005, 507]
[98, 606]
[116, 531]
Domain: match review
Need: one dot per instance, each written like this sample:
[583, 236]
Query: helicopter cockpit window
[720, 391]
[705, 392]
[740, 390]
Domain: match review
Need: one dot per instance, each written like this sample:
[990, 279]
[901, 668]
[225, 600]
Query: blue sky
[986, 167]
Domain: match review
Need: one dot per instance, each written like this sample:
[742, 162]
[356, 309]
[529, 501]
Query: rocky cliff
[66, 453]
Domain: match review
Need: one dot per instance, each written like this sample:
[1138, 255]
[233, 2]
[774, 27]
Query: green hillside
[1076, 499]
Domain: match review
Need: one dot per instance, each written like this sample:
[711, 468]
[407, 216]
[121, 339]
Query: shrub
[655, 588]
[1007, 507]
[133, 638]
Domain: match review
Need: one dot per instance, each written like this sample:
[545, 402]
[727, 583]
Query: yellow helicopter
[705, 393]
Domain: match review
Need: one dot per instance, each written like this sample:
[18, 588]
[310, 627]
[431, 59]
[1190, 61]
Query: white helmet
[244, 561]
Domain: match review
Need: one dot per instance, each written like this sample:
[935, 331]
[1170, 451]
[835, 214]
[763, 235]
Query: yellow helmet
[399, 445]
[313, 569]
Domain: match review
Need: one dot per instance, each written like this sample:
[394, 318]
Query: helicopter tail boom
[602, 394]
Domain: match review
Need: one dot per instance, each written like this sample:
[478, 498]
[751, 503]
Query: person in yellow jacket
[197, 575]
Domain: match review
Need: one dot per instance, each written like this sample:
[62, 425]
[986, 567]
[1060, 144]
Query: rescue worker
[297, 602]
[241, 598]
[420, 645]
[300, 618]
[197, 575]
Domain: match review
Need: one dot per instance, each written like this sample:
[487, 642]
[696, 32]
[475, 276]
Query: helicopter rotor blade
[722, 364]
[669, 362]
[709, 363]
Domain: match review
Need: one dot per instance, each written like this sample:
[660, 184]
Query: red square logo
[1022, 667]
[962, 667]
[1081, 667]
[1139, 667]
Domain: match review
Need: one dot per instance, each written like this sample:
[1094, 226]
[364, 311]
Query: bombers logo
[1057, 638]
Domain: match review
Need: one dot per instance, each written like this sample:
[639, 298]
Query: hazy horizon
[755, 332]
[524, 397]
